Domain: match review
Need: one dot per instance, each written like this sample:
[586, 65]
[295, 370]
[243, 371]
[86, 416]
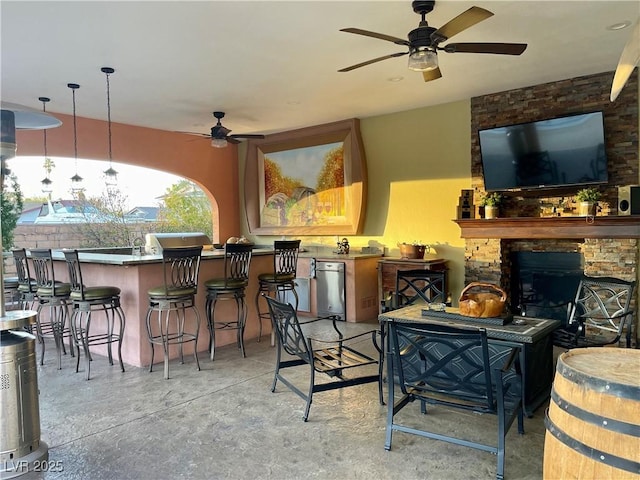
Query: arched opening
[106, 213]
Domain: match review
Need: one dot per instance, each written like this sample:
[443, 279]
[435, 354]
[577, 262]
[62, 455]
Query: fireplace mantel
[552, 227]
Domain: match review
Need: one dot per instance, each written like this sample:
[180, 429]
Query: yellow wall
[417, 163]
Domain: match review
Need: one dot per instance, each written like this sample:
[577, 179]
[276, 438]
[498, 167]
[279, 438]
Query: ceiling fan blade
[497, 48]
[206, 135]
[463, 21]
[246, 136]
[432, 74]
[628, 61]
[233, 140]
[369, 62]
[380, 36]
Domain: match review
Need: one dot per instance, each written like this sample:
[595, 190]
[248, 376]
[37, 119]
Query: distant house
[71, 211]
[29, 213]
[142, 214]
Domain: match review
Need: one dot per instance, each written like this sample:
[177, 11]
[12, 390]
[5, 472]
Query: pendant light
[76, 180]
[110, 174]
[46, 181]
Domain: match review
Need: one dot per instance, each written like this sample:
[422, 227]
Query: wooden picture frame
[310, 181]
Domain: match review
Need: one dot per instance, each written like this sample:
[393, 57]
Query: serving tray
[501, 320]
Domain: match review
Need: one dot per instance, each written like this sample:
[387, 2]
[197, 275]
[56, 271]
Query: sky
[140, 185]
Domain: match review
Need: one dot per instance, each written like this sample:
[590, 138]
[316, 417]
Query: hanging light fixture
[76, 180]
[110, 174]
[46, 181]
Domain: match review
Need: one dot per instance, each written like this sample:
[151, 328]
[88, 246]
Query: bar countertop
[126, 260]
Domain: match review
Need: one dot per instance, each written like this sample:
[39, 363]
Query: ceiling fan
[220, 134]
[424, 42]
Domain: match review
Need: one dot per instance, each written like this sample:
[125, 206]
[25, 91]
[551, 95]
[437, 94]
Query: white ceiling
[272, 66]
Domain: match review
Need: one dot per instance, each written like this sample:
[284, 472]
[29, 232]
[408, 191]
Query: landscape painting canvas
[310, 181]
[303, 186]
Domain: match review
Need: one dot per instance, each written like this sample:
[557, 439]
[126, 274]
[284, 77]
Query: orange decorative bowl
[482, 300]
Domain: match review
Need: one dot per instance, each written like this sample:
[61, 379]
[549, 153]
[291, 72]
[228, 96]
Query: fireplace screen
[545, 283]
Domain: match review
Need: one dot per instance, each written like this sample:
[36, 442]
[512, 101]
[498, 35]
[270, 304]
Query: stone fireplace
[608, 248]
[607, 244]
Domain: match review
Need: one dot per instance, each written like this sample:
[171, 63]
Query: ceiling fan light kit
[424, 42]
[219, 142]
[422, 60]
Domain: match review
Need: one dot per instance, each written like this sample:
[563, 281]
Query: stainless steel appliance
[330, 289]
[156, 242]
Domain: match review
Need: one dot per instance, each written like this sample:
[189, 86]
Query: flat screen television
[558, 152]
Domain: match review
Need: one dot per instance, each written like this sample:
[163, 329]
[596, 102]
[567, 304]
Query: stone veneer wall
[488, 260]
[566, 97]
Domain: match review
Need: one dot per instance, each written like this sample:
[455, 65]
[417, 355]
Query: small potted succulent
[491, 203]
[588, 200]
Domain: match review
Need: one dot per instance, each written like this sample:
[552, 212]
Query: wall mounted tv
[558, 152]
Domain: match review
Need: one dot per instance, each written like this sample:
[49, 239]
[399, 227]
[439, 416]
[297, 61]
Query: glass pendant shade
[46, 185]
[110, 174]
[76, 180]
[46, 181]
[218, 142]
[423, 60]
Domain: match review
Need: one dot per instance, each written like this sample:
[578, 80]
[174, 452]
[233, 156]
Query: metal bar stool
[281, 280]
[85, 300]
[237, 259]
[181, 267]
[55, 295]
[10, 291]
[27, 286]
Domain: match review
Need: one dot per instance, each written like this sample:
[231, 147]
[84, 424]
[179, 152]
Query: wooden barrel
[593, 420]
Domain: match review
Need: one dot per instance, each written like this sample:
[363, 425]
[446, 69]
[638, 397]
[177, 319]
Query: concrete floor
[223, 422]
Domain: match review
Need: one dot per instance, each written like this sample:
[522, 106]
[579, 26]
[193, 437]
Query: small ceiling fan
[424, 42]
[220, 134]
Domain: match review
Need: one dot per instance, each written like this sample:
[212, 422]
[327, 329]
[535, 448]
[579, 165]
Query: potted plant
[588, 198]
[491, 202]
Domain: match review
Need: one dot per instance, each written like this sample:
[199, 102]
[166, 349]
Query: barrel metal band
[620, 390]
[598, 420]
[589, 452]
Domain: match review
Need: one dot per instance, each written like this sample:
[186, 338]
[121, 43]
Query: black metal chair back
[25, 282]
[601, 310]
[45, 273]
[413, 286]
[288, 331]
[285, 257]
[181, 267]
[331, 356]
[440, 360]
[438, 364]
[237, 262]
[75, 273]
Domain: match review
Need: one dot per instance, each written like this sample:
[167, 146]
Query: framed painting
[310, 181]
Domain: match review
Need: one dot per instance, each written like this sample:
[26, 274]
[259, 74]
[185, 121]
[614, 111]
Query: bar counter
[136, 274]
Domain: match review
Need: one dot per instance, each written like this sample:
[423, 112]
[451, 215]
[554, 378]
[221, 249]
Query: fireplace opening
[545, 283]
